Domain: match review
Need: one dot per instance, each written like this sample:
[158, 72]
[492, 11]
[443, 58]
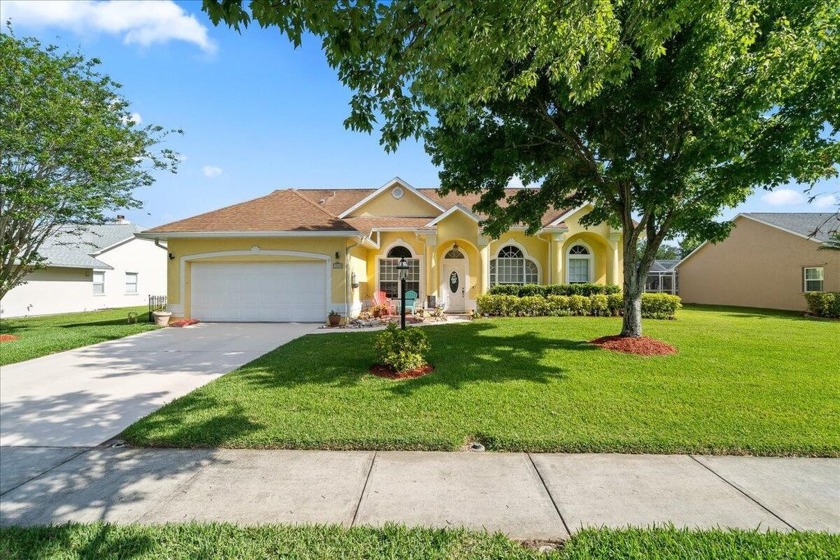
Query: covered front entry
[288, 291]
[453, 281]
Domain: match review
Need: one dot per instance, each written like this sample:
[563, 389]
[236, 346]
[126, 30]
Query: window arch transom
[512, 266]
[579, 264]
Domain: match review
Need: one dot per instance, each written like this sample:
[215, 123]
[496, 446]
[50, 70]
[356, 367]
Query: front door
[453, 285]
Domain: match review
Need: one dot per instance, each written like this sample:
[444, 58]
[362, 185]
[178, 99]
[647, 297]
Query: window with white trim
[131, 283]
[98, 282]
[511, 266]
[813, 278]
[578, 264]
[389, 275]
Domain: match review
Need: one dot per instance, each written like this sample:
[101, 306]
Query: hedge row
[654, 306]
[554, 290]
[824, 304]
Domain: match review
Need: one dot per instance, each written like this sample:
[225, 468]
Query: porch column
[615, 273]
[484, 262]
[431, 266]
[557, 240]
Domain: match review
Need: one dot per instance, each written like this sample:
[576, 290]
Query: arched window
[579, 264]
[511, 266]
[399, 252]
[389, 276]
[454, 253]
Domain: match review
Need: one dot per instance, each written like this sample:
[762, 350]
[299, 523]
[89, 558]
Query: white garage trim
[199, 256]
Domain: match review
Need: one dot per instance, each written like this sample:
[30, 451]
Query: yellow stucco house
[296, 254]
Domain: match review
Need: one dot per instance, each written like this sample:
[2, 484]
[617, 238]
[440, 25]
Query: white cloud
[783, 197]
[211, 171]
[138, 22]
[181, 157]
[515, 183]
[826, 201]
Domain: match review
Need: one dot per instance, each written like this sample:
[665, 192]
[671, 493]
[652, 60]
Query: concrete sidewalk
[526, 496]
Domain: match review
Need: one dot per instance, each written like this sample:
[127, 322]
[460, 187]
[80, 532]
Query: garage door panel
[267, 292]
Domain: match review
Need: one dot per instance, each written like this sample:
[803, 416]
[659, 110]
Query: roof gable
[813, 226]
[403, 200]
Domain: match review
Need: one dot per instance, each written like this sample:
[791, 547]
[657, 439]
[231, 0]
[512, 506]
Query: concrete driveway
[83, 397]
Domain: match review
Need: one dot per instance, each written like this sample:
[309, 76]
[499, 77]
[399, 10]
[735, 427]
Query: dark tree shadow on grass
[461, 354]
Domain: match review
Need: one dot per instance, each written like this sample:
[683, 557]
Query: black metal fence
[156, 303]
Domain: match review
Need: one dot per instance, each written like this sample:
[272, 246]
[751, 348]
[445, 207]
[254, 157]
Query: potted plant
[334, 318]
[378, 311]
[162, 317]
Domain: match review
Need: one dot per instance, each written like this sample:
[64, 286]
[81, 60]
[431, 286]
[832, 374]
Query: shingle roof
[315, 210]
[74, 246]
[816, 225]
[339, 200]
[282, 210]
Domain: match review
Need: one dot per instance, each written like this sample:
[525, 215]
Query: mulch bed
[183, 323]
[8, 337]
[388, 372]
[642, 346]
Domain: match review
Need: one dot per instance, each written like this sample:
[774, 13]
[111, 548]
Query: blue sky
[257, 114]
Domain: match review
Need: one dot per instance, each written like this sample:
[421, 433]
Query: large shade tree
[658, 113]
[70, 151]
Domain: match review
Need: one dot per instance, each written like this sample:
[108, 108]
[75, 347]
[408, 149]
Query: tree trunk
[634, 285]
[631, 324]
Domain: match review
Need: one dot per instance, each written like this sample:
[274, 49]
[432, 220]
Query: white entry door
[259, 292]
[453, 285]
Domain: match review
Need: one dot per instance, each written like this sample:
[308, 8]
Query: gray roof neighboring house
[815, 225]
[78, 246]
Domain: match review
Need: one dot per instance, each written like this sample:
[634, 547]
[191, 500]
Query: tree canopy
[69, 150]
[658, 113]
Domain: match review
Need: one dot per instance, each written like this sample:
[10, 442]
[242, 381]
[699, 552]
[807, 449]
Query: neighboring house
[296, 254]
[662, 277]
[90, 267]
[769, 260]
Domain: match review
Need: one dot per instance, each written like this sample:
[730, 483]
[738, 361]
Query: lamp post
[402, 267]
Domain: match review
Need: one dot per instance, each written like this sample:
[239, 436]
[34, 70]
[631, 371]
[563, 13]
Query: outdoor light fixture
[402, 267]
[454, 246]
[171, 257]
[337, 255]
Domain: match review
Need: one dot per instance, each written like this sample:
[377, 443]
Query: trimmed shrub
[554, 290]
[654, 306]
[824, 304]
[660, 306]
[403, 350]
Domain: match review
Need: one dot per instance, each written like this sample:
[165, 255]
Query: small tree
[69, 150]
[657, 113]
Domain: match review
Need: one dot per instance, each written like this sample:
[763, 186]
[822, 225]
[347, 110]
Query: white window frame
[493, 275]
[590, 257]
[805, 278]
[95, 283]
[384, 257]
[136, 283]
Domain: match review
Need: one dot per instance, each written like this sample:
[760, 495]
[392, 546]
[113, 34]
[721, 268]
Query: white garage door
[254, 292]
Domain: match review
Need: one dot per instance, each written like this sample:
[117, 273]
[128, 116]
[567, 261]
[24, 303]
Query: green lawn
[199, 541]
[39, 336]
[744, 381]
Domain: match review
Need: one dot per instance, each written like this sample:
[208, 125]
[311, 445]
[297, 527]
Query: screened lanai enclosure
[663, 278]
